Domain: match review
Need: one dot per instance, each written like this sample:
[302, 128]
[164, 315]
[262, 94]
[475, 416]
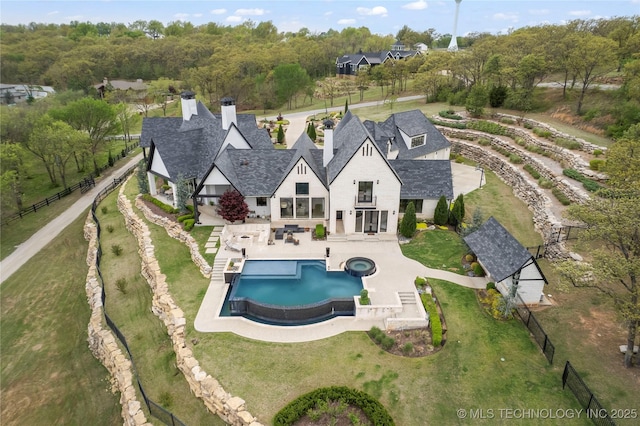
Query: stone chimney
[327, 153]
[189, 105]
[228, 112]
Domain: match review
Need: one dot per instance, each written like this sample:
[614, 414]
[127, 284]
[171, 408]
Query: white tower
[453, 45]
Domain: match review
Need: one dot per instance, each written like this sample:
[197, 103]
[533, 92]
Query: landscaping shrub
[104, 209]
[419, 281]
[506, 120]
[185, 217]
[165, 207]
[110, 228]
[407, 348]
[364, 297]
[567, 143]
[487, 127]
[434, 319]
[116, 249]
[189, 224]
[543, 133]
[298, 408]
[453, 125]
[387, 343]
[441, 213]
[515, 159]
[587, 183]
[596, 164]
[484, 141]
[520, 141]
[477, 269]
[597, 152]
[450, 114]
[469, 257]
[121, 285]
[320, 231]
[491, 285]
[533, 172]
[564, 200]
[545, 183]
[408, 223]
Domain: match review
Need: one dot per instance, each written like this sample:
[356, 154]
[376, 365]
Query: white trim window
[417, 141]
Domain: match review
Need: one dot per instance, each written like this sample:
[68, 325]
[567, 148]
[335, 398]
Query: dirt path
[44, 236]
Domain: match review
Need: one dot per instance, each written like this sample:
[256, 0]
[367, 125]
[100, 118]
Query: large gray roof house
[218, 152]
[507, 262]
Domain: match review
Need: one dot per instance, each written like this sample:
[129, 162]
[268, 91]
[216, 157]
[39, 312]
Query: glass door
[371, 221]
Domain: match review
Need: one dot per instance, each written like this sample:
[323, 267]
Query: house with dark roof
[507, 262]
[351, 64]
[355, 184]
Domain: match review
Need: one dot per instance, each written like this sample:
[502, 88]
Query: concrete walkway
[44, 236]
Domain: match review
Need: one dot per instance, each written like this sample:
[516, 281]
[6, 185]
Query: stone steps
[407, 297]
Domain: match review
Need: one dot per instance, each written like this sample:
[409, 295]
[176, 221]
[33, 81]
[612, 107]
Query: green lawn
[48, 374]
[437, 249]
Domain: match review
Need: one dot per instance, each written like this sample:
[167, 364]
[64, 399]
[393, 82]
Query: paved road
[44, 236]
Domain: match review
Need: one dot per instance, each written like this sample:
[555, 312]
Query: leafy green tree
[42, 143]
[12, 173]
[232, 206]
[289, 80]
[362, 83]
[408, 223]
[441, 213]
[95, 117]
[477, 100]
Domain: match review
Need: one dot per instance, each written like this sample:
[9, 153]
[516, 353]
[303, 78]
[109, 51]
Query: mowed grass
[467, 373]
[48, 374]
[497, 199]
[438, 249]
[146, 334]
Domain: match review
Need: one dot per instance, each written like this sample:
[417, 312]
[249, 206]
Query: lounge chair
[231, 246]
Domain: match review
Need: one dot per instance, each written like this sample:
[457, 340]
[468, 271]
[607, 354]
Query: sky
[380, 16]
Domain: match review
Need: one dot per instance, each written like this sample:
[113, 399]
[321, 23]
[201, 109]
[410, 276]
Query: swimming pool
[292, 291]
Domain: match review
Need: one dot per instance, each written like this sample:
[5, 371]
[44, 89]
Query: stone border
[544, 220]
[103, 343]
[230, 409]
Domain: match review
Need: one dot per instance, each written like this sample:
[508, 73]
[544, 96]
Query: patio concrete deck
[395, 274]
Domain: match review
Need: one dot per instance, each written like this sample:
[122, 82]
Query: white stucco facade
[304, 195]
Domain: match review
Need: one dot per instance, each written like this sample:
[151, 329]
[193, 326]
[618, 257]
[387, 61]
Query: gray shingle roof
[500, 253]
[255, 172]
[424, 179]
[348, 137]
[414, 123]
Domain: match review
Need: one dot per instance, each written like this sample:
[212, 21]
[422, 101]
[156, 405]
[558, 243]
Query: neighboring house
[123, 85]
[507, 262]
[354, 184]
[421, 47]
[15, 93]
[350, 64]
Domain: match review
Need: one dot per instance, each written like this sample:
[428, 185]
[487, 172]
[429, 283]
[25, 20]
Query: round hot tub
[360, 266]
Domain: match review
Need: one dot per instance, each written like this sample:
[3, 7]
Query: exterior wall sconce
[377, 181]
[394, 213]
[350, 212]
[354, 181]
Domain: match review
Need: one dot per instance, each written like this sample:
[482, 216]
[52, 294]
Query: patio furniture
[231, 246]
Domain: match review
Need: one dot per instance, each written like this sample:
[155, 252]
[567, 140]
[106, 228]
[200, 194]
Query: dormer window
[417, 141]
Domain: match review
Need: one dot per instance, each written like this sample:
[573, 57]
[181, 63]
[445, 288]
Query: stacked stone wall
[103, 343]
[229, 408]
[544, 221]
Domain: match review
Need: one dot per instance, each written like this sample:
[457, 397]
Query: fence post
[565, 373]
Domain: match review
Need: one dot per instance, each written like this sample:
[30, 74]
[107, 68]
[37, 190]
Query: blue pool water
[293, 282]
[291, 292]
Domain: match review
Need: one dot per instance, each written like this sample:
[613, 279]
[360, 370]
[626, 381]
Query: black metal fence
[535, 329]
[154, 409]
[594, 410]
[84, 185]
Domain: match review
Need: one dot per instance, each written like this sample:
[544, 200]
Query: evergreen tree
[143, 182]
[408, 224]
[457, 212]
[311, 131]
[232, 206]
[280, 134]
[441, 214]
[346, 105]
[182, 194]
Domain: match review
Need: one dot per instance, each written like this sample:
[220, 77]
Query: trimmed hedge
[372, 408]
[434, 319]
[188, 224]
[588, 184]
[533, 172]
[165, 207]
[320, 231]
[450, 114]
[487, 127]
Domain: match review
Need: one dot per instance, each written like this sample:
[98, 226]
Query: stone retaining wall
[229, 408]
[175, 230]
[103, 343]
[544, 220]
[575, 194]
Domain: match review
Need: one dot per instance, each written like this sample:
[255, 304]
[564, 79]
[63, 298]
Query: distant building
[123, 85]
[349, 65]
[16, 93]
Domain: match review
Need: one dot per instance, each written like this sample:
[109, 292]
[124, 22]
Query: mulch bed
[338, 419]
